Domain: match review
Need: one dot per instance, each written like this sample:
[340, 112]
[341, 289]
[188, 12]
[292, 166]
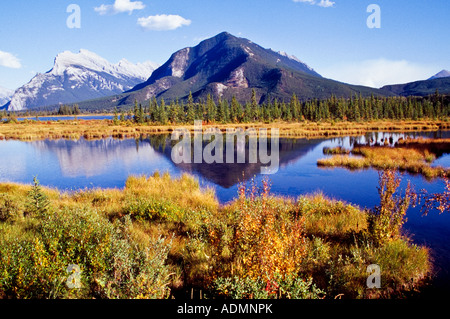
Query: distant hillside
[420, 88]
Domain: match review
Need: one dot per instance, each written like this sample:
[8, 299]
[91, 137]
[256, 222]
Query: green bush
[111, 264]
[291, 287]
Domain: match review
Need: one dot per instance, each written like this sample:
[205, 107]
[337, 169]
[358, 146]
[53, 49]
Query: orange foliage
[269, 240]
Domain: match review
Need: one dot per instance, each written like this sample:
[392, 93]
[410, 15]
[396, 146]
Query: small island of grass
[411, 155]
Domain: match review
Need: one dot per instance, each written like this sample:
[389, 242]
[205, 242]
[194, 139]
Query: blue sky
[412, 43]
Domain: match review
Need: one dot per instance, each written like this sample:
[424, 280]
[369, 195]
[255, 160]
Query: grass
[164, 237]
[98, 129]
[413, 156]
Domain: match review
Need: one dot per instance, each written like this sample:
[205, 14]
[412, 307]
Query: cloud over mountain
[163, 22]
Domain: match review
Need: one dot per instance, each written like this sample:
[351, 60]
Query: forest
[354, 109]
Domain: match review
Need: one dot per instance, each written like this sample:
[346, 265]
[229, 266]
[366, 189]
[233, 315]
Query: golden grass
[407, 157]
[98, 129]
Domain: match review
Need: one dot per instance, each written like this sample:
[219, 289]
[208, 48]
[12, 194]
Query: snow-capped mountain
[442, 74]
[77, 77]
[5, 95]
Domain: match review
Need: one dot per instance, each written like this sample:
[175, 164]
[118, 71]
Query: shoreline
[99, 129]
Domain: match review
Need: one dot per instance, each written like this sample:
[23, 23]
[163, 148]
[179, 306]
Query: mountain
[226, 66]
[420, 88]
[442, 74]
[77, 77]
[5, 95]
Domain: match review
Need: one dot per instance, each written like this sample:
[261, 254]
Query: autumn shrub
[267, 243]
[385, 221]
[438, 201]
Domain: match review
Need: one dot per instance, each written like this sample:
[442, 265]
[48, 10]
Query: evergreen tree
[190, 116]
[162, 113]
[116, 116]
[37, 202]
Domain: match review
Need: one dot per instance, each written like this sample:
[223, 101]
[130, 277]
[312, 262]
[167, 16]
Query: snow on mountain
[79, 76]
[294, 58]
[442, 74]
[5, 95]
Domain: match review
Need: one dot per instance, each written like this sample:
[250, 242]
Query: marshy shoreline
[30, 130]
[162, 237]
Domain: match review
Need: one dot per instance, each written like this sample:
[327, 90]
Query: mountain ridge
[5, 95]
[442, 74]
[225, 66]
[420, 88]
[76, 77]
[222, 67]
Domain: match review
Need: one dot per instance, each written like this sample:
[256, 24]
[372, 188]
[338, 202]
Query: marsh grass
[163, 237]
[98, 129]
[412, 156]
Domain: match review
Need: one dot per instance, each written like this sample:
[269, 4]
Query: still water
[72, 165]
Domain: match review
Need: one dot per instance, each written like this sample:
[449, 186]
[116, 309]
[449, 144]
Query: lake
[66, 118]
[72, 165]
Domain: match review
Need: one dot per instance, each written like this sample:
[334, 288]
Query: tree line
[356, 108]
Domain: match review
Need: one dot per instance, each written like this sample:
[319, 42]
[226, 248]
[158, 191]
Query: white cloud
[322, 3]
[379, 72]
[326, 3]
[120, 6]
[163, 22]
[10, 61]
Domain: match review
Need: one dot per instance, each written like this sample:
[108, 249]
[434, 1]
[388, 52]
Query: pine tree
[173, 113]
[210, 109]
[137, 117]
[254, 112]
[38, 203]
[116, 117]
[162, 113]
[190, 116]
[295, 108]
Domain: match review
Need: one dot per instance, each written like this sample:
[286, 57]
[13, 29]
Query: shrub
[9, 210]
[386, 220]
[289, 287]
[266, 242]
[112, 265]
